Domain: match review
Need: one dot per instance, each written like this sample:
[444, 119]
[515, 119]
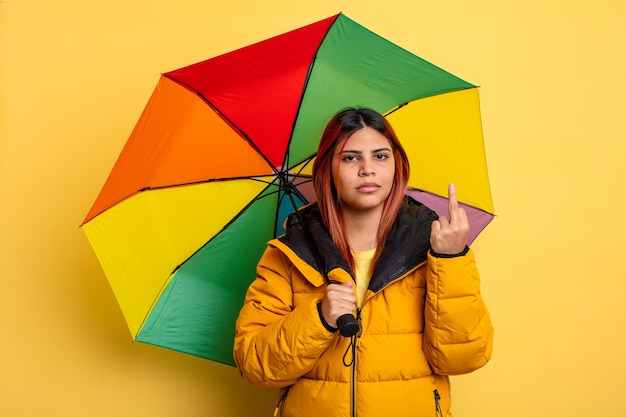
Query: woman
[364, 248]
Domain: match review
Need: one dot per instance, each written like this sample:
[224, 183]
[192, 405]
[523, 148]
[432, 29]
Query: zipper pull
[281, 402]
[359, 324]
[437, 406]
[350, 354]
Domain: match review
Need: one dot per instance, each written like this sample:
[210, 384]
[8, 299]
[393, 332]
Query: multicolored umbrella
[223, 151]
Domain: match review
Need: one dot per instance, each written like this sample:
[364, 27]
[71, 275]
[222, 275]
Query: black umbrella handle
[347, 325]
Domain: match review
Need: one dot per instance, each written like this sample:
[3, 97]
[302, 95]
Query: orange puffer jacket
[422, 319]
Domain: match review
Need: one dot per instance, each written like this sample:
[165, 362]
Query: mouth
[368, 187]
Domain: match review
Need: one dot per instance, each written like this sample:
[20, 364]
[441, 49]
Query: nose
[366, 169]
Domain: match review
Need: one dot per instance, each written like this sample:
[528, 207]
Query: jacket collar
[406, 247]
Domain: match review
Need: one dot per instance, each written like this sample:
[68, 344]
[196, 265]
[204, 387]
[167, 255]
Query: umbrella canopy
[223, 151]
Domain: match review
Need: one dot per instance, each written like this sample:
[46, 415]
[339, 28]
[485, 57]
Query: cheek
[333, 170]
[391, 172]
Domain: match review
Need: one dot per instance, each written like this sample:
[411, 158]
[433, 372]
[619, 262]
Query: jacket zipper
[355, 343]
[437, 406]
[278, 411]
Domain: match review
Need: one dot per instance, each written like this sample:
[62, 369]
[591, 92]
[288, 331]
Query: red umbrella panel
[223, 152]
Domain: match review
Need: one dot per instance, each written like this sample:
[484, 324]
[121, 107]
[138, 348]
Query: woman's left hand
[448, 236]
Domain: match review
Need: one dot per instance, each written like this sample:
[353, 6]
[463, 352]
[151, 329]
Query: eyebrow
[360, 152]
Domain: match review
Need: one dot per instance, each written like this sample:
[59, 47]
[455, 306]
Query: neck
[362, 229]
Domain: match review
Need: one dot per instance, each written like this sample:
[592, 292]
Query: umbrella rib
[308, 161]
[432, 94]
[206, 181]
[460, 202]
[183, 184]
[398, 107]
[304, 88]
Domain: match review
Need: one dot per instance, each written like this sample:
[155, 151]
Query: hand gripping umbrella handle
[347, 325]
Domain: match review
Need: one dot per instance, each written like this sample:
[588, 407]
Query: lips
[368, 187]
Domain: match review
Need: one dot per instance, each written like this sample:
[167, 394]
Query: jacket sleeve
[458, 334]
[275, 341]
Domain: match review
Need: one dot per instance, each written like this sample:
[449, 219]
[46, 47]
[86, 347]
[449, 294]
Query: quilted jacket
[422, 319]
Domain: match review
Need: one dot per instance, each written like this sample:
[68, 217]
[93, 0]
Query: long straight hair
[343, 125]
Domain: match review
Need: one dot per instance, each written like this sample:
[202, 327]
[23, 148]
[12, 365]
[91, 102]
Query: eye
[349, 158]
[381, 156]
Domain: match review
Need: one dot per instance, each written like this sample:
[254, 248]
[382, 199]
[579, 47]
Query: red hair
[339, 129]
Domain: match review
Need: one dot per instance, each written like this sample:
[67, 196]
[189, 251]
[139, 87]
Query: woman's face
[363, 169]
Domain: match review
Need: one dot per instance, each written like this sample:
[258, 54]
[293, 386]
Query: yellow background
[75, 75]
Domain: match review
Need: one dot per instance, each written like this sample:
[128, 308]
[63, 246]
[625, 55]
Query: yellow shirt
[363, 272]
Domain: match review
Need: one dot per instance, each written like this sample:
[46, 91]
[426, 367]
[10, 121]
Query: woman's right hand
[338, 300]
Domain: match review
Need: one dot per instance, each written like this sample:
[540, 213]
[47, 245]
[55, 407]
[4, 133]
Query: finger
[442, 223]
[341, 305]
[349, 283]
[344, 287]
[453, 204]
[462, 215]
[343, 292]
[435, 227]
[463, 224]
[437, 230]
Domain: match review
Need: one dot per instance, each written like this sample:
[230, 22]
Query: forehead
[366, 139]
